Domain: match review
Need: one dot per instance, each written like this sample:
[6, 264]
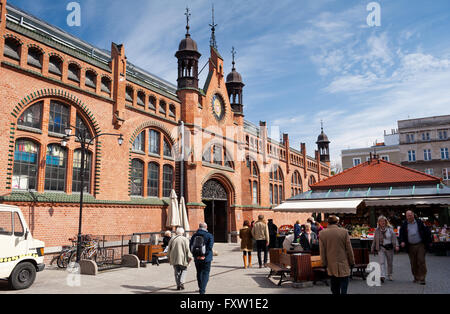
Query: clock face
[218, 107]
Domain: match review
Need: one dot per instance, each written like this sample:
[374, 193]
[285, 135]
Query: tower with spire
[234, 87]
[188, 57]
[323, 144]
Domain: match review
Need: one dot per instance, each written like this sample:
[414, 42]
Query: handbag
[388, 247]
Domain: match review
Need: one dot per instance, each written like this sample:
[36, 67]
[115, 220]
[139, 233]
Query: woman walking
[246, 243]
[179, 256]
[384, 243]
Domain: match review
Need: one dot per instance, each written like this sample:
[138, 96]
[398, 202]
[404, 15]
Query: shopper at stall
[311, 221]
[273, 230]
[297, 230]
[179, 256]
[336, 254]
[246, 243]
[384, 244]
[415, 237]
[308, 239]
[318, 228]
[260, 233]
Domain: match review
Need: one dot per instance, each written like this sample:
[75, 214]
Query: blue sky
[302, 60]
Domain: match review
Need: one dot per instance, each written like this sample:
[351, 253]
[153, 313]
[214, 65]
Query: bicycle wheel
[62, 259]
[100, 257]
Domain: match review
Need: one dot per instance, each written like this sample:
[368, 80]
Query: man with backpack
[201, 245]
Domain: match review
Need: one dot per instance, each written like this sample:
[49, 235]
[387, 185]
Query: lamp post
[85, 141]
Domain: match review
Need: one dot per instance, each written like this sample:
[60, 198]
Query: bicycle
[64, 257]
[90, 251]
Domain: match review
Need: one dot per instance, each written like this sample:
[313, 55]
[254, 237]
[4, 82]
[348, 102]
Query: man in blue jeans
[203, 262]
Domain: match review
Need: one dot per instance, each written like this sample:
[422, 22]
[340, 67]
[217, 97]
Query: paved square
[228, 276]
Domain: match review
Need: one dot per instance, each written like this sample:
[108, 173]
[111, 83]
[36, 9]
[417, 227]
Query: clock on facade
[218, 107]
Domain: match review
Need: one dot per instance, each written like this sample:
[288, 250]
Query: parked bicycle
[66, 253]
[90, 250]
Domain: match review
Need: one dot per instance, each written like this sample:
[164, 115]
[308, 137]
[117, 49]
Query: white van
[21, 256]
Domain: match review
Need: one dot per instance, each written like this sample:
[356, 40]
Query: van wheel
[23, 276]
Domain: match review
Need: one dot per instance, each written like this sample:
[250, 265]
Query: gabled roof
[376, 172]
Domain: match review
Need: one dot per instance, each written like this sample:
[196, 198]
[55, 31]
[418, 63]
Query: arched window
[59, 117]
[218, 155]
[55, 65]
[90, 79]
[34, 57]
[162, 107]
[312, 180]
[154, 142]
[254, 182]
[26, 157]
[76, 177]
[139, 144]
[141, 98]
[129, 94]
[137, 177]
[167, 180]
[106, 84]
[276, 186]
[153, 180]
[172, 111]
[32, 117]
[296, 183]
[81, 128]
[152, 103]
[73, 73]
[55, 168]
[167, 149]
[12, 48]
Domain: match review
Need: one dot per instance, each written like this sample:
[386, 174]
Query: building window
[90, 79]
[410, 138]
[443, 135]
[425, 136]
[76, 178]
[356, 161]
[55, 168]
[162, 107]
[445, 174]
[167, 150]
[254, 181]
[129, 94]
[138, 144]
[153, 180]
[411, 155]
[429, 171]
[444, 154]
[32, 116]
[167, 180]
[276, 186]
[312, 180]
[106, 85]
[385, 157]
[296, 183]
[154, 142]
[217, 155]
[55, 65]
[34, 57]
[59, 117]
[81, 128]
[137, 177]
[26, 157]
[172, 111]
[152, 103]
[427, 154]
[73, 73]
[141, 98]
[12, 48]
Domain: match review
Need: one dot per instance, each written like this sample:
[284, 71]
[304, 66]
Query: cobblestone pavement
[228, 276]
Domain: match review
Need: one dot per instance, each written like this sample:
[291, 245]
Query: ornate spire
[188, 15]
[212, 41]
[321, 125]
[233, 53]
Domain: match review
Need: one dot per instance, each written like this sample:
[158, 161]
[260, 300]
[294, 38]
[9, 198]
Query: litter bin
[133, 243]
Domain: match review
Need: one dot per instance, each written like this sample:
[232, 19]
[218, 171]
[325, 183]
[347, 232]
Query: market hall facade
[176, 136]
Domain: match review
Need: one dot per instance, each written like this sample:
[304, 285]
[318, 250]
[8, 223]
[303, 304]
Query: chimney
[263, 135]
[305, 160]
[288, 151]
[119, 71]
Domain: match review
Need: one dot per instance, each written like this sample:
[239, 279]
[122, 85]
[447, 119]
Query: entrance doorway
[215, 197]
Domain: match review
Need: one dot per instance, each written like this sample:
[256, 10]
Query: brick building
[194, 140]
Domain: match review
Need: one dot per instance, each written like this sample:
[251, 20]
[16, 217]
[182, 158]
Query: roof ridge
[410, 169]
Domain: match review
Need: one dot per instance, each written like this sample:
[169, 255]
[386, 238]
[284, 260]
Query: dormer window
[35, 57]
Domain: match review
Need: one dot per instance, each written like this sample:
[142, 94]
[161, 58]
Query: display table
[361, 243]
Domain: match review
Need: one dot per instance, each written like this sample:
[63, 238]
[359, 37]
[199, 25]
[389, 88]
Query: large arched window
[26, 157]
[137, 177]
[81, 127]
[59, 117]
[167, 150]
[139, 144]
[276, 186]
[167, 180]
[32, 117]
[218, 155]
[296, 183]
[55, 168]
[153, 179]
[254, 182]
[76, 177]
[154, 142]
[312, 180]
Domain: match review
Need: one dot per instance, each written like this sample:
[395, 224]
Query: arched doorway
[215, 197]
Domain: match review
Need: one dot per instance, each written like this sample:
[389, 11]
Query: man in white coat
[179, 256]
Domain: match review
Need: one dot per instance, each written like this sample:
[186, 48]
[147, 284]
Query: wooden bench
[281, 268]
[151, 253]
[361, 261]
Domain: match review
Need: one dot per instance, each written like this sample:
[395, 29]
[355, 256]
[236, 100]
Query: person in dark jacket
[308, 239]
[313, 225]
[273, 230]
[415, 237]
[297, 231]
[166, 238]
[203, 263]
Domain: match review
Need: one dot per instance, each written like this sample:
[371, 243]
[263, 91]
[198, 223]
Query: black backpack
[198, 247]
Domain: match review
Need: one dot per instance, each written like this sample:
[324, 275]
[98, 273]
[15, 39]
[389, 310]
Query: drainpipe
[182, 161]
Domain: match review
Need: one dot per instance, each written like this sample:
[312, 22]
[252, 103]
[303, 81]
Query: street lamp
[85, 141]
